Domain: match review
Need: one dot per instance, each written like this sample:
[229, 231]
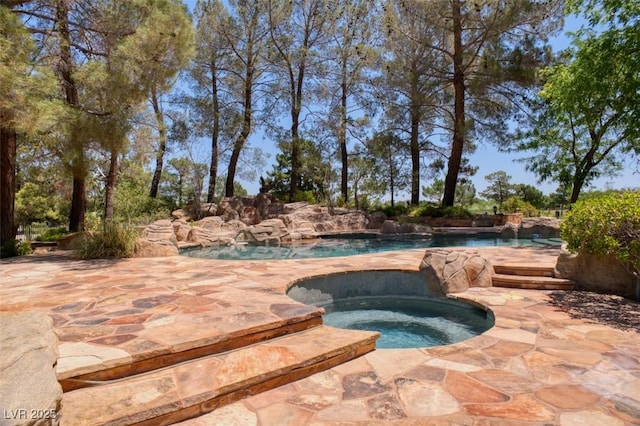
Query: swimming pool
[353, 245]
[397, 304]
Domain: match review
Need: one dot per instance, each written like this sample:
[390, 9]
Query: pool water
[408, 323]
[398, 304]
[334, 247]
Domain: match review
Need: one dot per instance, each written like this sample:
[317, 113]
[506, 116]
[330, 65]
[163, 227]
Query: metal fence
[31, 231]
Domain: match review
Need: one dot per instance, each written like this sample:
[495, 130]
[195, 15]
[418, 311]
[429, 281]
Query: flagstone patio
[538, 365]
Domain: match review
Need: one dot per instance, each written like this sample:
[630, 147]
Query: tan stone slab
[567, 396]
[521, 407]
[468, 390]
[195, 385]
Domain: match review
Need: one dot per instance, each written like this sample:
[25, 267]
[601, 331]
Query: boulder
[540, 227]
[600, 274]
[351, 221]
[213, 223]
[454, 271]
[414, 228]
[207, 237]
[146, 248]
[181, 228]
[270, 232]
[157, 240]
[532, 227]
[376, 220]
[29, 388]
[230, 208]
[291, 207]
[193, 212]
[68, 242]
[390, 227]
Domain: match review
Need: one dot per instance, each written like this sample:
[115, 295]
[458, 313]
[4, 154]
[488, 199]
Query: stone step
[196, 387]
[532, 282]
[525, 270]
[301, 319]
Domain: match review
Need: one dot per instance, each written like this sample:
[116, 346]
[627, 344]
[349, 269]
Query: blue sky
[486, 157]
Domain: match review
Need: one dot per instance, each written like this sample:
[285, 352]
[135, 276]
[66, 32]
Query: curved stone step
[72, 375]
[532, 282]
[525, 270]
[196, 387]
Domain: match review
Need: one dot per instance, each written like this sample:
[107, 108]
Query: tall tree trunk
[78, 204]
[459, 115]
[344, 184]
[76, 146]
[110, 186]
[215, 134]
[7, 182]
[246, 127]
[415, 155]
[162, 144]
[296, 107]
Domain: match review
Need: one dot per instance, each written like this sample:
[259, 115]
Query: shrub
[52, 234]
[517, 205]
[13, 247]
[115, 240]
[396, 210]
[428, 210]
[606, 225]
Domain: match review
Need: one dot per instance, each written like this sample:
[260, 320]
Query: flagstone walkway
[537, 366]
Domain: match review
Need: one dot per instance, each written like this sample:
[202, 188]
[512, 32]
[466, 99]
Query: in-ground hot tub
[398, 304]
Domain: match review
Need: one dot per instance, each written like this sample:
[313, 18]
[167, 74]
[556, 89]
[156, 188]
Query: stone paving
[537, 366]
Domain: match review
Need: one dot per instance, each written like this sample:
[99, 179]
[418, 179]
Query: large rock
[193, 212]
[231, 208]
[390, 227]
[306, 221]
[376, 220]
[454, 271]
[540, 227]
[181, 229]
[69, 242]
[157, 240]
[146, 248]
[270, 231]
[533, 227]
[29, 389]
[600, 274]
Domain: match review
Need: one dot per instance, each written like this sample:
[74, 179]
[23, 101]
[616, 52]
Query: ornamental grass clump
[606, 225]
[114, 240]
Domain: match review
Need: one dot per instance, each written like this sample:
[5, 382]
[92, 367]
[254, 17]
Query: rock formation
[29, 388]
[600, 274]
[454, 270]
[538, 227]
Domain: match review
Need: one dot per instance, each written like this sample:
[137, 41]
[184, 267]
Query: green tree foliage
[211, 76]
[389, 155]
[587, 117]
[408, 87]
[499, 188]
[606, 225]
[518, 205]
[532, 195]
[312, 176]
[579, 131]
[493, 48]
[298, 29]
[35, 203]
[350, 56]
[24, 107]
[465, 192]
